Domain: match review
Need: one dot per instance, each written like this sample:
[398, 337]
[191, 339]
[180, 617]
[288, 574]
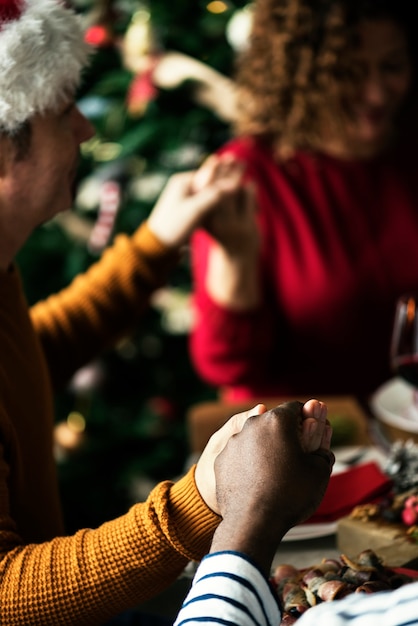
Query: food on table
[332, 579]
[388, 526]
[381, 527]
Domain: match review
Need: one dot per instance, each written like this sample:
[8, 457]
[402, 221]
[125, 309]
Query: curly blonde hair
[297, 65]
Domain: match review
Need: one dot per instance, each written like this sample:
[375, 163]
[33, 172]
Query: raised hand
[233, 225]
[232, 278]
[183, 206]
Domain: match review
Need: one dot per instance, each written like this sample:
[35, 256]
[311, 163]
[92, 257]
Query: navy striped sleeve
[230, 591]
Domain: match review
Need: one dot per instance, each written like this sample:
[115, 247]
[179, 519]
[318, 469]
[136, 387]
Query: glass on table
[404, 345]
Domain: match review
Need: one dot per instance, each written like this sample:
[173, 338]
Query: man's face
[41, 184]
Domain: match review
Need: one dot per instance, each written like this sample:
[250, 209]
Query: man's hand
[205, 470]
[183, 205]
[271, 476]
[233, 224]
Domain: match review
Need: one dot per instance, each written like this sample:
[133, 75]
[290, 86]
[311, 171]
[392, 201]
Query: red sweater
[339, 245]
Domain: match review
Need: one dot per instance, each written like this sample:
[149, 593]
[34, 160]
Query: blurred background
[158, 109]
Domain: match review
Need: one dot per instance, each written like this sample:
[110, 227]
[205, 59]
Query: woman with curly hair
[298, 296]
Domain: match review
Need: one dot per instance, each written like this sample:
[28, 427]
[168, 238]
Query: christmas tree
[158, 108]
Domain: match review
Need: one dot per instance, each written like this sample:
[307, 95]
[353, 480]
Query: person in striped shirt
[230, 589]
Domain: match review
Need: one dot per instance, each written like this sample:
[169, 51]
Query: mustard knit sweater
[47, 578]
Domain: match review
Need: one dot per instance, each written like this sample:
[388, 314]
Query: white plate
[310, 531]
[347, 455]
[393, 404]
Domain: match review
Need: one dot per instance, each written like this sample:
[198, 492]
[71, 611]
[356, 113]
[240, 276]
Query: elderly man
[48, 578]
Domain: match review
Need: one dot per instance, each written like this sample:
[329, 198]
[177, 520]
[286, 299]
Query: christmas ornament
[87, 379]
[141, 92]
[69, 436]
[148, 186]
[110, 201]
[42, 51]
[410, 510]
[216, 6]
[139, 45]
[140, 54]
[99, 24]
[239, 28]
[156, 69]
[99, 35]
[176, 309]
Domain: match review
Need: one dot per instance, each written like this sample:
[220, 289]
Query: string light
[76, 422]
[107, 151]
[69, 435]
[217, 6]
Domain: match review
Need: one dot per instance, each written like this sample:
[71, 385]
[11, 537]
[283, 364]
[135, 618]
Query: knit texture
[47, 578]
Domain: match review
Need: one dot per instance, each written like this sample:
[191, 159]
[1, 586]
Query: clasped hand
[270, 476]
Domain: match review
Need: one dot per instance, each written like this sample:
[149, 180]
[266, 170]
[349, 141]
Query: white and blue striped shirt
[230, 591]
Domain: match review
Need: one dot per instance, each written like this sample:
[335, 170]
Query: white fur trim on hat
[41, 56]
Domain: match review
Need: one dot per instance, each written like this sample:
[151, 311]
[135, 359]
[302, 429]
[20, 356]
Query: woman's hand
[233, 224]
[183, 205]
[232, 276]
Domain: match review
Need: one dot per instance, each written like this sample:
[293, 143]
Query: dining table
[303, 546]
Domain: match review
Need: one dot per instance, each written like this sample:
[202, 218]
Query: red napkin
[360, 484]
[404, 570]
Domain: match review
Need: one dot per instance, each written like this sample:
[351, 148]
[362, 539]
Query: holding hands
[232, 224]
[232, 278]
[205, 469]
[263, 471]
[271, 476]
[209, 197]
[216, 198]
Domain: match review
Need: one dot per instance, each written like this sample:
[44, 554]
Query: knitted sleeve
[102, 305]
[85, 579]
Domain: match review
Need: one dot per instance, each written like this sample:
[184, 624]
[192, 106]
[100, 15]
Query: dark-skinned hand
[271, 476]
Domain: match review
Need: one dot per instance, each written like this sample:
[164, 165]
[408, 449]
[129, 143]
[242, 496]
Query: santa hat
[42, 52]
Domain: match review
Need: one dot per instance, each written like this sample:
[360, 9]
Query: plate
[346, 456]
[393, 405]
[310, 531]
